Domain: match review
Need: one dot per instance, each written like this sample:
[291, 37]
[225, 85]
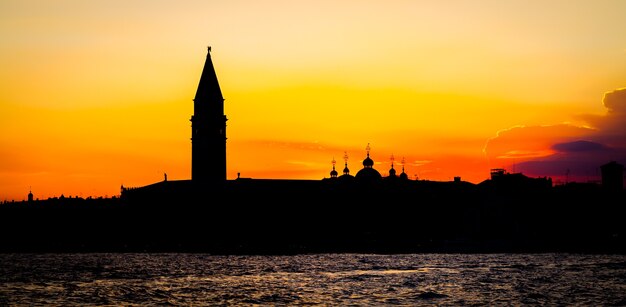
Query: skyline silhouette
[92, 101]
[360, 210]
[209, 146]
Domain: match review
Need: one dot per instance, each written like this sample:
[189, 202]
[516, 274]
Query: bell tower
[208, 129]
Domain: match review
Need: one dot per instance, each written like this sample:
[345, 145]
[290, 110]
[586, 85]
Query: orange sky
[96, 94]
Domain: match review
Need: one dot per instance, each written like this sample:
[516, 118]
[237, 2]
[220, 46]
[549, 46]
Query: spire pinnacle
[209, 91]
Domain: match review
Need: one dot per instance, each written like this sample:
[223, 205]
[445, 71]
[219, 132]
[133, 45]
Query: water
[325, 279]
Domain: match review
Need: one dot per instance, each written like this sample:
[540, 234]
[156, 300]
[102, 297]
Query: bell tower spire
[208, 128]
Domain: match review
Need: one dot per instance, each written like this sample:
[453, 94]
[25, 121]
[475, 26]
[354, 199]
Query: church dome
[368, 162]
[368, 174]
[392, 172]
[333, 173]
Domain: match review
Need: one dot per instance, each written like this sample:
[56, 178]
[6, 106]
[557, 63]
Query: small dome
[333, 173]
[392, 172]
[368, 162]
[403, 176]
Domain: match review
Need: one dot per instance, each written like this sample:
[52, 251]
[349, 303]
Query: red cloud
[556, 150]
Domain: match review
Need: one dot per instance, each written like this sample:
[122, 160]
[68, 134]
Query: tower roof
[209, 87]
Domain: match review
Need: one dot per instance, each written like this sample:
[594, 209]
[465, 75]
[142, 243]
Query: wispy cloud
[556, 149]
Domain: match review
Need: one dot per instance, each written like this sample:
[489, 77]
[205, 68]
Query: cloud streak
[563, 149]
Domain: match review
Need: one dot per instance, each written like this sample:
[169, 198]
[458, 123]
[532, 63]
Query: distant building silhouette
[208, 163]
[333, 173]
[612, 176]
[367, 212]
[403, 175]
[392, 171]
[368, 174]
[346, 170]
[208, 128]
[501, 178]
[30, 196]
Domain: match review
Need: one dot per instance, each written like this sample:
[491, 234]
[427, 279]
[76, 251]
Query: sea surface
[318, 279]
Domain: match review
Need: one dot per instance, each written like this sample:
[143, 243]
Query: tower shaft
[208, 128]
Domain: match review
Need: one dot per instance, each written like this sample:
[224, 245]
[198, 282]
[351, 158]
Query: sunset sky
[98, 94]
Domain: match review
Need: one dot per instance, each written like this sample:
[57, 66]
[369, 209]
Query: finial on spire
[334, 162]
[367, 148]
[209, 49]
[345, 156]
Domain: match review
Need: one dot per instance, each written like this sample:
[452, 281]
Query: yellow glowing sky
[96, 94]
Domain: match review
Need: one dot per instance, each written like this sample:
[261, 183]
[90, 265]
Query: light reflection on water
[328, 279]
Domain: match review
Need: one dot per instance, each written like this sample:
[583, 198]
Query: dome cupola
[368, 162]
[392, 171]
[333, 173]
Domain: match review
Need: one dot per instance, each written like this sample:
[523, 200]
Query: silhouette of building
[368, 175]
[403, 175]
[209, 164]
[333, 173]
[346, 171]
[208, 128]
[392, 171]
[344, 213]
[208, 158]
[505, 182]
[612, 176]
